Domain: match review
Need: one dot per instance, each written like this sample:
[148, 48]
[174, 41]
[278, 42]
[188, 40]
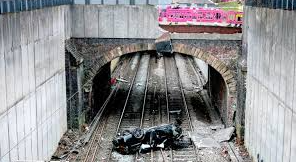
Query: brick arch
[226, 73]
[117, 52]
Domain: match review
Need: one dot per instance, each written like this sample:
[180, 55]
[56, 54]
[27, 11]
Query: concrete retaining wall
[32, 82]
[114, 21]
[270, 117]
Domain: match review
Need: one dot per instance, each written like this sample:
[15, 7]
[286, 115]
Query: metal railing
[9, 6]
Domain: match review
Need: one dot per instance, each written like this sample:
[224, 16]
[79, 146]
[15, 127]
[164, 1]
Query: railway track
[154, 95]
[122, 64]
[99, 139]
[132, 113]
[155, 108]
[177, 109]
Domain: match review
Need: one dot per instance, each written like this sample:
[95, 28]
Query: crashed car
[131, 141]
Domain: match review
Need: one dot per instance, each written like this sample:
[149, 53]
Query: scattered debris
[121, 80]
[217, 126]
[204, 142]
[223, 134]
[67, 145]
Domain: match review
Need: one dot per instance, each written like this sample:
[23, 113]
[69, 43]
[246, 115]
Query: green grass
[234, 6]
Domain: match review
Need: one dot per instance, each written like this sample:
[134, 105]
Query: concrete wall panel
[28, 148]
[9, 71]
[20, 121]
[91, 21]
[34, 148]
[138, 21]
[106, 19]
[7, 35]
[121, 21]
[31, 67]
[27, 116]
[287, 135]
[4, 140]
[293, 140]
[12, 127]
[18, 89]
[21, 150]
[16, 35]
[270, 84]
[2, 84]
[78, 21]
[25, 70]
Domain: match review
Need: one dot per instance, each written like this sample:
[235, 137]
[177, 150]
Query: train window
[218, 15]
[239, 18]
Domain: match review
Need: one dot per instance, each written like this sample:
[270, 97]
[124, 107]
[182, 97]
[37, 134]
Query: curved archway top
[210, 59]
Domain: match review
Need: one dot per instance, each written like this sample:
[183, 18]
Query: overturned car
[130, 142]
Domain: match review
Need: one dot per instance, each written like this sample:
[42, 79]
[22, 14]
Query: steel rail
[125, 104]
[97, 118]
[144, 99]
[185, 105]
[167, 102]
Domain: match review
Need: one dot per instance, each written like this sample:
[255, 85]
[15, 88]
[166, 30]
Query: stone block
[91, 21]
[151, 46]
[200, 54]
[119, 51]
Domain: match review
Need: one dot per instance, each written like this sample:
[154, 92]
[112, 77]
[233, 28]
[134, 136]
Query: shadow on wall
[218, 93]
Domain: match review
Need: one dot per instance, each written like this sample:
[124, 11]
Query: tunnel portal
[147, 89]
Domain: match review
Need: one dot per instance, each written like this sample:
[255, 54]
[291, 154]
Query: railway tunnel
[152, 90]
